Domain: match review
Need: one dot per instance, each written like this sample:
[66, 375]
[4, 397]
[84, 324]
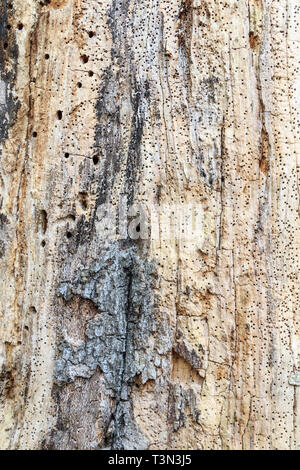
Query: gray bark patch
[121, 285]
[9, 104]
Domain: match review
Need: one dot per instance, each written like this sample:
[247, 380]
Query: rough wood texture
[150, 343]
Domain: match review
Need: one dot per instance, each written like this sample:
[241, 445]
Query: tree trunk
[162, 334]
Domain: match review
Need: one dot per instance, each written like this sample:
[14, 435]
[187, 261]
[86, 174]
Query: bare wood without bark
[149, 343]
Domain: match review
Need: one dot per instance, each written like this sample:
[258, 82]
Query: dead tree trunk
[146, 339]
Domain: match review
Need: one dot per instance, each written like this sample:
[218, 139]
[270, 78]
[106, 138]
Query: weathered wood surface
[149, 343]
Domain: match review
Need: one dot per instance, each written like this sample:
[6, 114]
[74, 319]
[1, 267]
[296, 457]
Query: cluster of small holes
[186, 112]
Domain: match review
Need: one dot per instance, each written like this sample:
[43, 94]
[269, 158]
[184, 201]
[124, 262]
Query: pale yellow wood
[183, 344]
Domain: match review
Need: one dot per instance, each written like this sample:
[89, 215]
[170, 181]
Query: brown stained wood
[149, 343]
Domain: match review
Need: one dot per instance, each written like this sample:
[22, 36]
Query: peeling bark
[143, 342]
